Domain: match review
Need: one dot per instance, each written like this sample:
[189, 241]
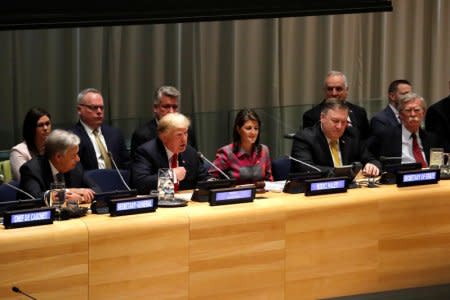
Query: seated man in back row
[60, 164]
[169, 150]
[332, 143]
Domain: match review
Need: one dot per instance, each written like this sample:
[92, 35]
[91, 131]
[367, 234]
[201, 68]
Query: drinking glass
[57, 195]
[166, 189]
[436, 158]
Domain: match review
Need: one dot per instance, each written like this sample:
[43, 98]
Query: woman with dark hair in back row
[37, 126]
[245, 159]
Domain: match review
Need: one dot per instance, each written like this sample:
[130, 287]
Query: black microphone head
[200, 154]
[15, 289]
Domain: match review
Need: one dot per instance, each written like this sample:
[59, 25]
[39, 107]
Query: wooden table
[280, 246]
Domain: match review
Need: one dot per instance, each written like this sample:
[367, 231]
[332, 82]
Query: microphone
[304, 163]
[15, 289]
[390, 157]
[213, 165]
[118, 172]
[2, 181]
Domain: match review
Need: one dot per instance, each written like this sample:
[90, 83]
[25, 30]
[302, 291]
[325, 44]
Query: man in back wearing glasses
[336, 86]
[166, 100]
[98, 141]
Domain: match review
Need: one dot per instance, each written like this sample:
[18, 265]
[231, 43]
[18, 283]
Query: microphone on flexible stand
[384, 158]
[15, 289]
[304, 163]
[118, 171]
[213, 165]
[2, 181]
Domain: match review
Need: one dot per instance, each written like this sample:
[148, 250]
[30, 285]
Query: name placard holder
[326, 186]
[232, 195]
[28, 217]
[418, 177]
[130, 206]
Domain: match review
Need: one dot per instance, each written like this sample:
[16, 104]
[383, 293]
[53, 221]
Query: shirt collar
[90, 129]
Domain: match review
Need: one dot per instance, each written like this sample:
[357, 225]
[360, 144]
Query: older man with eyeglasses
[98, 141]
[165, 101]
[336, 87]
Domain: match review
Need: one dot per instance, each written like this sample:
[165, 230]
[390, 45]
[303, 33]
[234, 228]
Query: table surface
[281, 246]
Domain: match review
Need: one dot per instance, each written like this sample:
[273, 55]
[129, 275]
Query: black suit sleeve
[30, 182]
[144, 172]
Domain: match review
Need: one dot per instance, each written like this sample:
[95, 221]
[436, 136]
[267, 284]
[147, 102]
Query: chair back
[7, 193]
[280, 168]
[108, 179]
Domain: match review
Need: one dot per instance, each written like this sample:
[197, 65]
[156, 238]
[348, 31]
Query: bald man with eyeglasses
[336, 87]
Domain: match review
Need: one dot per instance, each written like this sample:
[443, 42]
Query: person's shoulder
[355, 107]
[20, 147]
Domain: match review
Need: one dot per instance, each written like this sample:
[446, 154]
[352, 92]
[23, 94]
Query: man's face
[412, 115]
[335, 88]
[334, 123]
[91, 110]
[166, 105]
[402, 89]
[175, 139]
[65, 162]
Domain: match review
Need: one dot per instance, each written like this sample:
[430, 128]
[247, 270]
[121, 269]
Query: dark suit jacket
[148, 131]
[357, 114]
[437, 120]
[391, 143]
[151, 156]
[114, 142]
[36, 176]
[310, 145]
[380, 122]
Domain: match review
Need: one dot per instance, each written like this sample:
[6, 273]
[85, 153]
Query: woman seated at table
[36, 127]
[245, 159]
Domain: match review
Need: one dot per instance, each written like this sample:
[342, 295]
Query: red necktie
[417, 152]
[173, 165]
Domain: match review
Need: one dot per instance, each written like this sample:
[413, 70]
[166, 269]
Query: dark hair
[332, 104]
[394, 84]
[243, 116]
[30, 125]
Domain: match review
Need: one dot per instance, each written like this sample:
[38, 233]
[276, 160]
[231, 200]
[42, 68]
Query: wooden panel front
[141, 256]
[237, 251]
[47, 262]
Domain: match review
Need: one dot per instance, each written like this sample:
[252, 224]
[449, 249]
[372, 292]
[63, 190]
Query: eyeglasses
[337, 88]
[93, 107]
[44, 124]
[417, 110]
[169, 106]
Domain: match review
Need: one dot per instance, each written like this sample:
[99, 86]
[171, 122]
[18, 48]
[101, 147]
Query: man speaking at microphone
[332, 143]
[169, 150]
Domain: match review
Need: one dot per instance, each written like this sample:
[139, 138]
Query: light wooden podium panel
[47, 261]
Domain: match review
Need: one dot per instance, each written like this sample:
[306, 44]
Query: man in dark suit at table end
[336, 86]
[332, 143]
[59, 164]
[169, 150]
[98, 140]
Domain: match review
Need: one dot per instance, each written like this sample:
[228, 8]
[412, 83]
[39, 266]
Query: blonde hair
[173, 121]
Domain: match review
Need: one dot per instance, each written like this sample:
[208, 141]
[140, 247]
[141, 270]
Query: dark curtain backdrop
[274, 65]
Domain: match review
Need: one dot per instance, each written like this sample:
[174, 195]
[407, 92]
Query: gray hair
[335, 73]
[59, 141]
[83, 93]
[172, 121]
[166, 90]
[404, 99]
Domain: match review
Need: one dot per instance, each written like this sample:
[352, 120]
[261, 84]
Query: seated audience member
[59, 164]
[245, 159]
[336, 86]
[437, 120]
[37, 125]
[388, 117]
[165, 101]
[407, 140]
[169, 150]
[331, 143]
[98, 140]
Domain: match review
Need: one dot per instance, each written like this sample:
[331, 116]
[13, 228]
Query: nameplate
[232, 195]
[134, 205]
[326, 186]
[419, 177]
[28, 217]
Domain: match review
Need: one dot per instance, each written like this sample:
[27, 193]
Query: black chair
[280, 168]
[108, 179]
[7, 193]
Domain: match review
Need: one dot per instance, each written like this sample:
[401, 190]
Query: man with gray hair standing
[165, 101]
[407, 140]
[58, 164]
